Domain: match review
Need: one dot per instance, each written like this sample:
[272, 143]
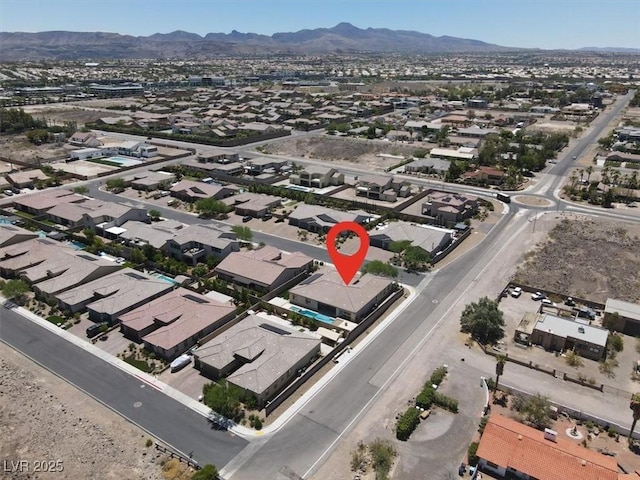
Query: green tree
[377, 267]
[483, 320]
[415, 257]
[15, 290]
[116, 184]
[38, 136]
[154, 215]
[243, 233]
[89, 234]
[208, 472]
[223, 398]
[137, 257]
[210, 207]
[536, 411]
[81, 190]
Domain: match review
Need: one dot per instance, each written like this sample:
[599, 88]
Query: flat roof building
[622, 316]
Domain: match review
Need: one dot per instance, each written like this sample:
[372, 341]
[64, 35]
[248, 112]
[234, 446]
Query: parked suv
[95, 329]
[516, 292]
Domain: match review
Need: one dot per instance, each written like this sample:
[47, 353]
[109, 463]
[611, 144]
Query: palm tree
[501, 360]
[635, 406]
[589, 171]
[581, 171]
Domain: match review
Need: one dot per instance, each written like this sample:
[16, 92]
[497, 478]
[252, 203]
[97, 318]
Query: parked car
[569, 302]
[546, 301]
[8, 192]
[516, 292]
[247, 218]
[9, 304]
[95, 329]
[537, 296]
[267, 216]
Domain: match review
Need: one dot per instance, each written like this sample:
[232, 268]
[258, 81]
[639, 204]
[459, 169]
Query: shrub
[407, 423]
[438, 375]
[471, 454]
[382, 454]
[425, 398]
[445, 402]
[483, 424]
[615, 343]
[257, 423]
[148, 443]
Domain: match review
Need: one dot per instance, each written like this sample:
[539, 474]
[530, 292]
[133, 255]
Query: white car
[537, 296]
[516, 292]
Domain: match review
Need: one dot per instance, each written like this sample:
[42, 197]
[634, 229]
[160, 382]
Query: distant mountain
[610, 49]
[343, 38]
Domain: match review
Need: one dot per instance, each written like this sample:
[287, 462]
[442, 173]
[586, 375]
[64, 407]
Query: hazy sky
[514, 23]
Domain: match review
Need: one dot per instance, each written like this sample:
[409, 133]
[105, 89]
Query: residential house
[327, 294]
[261, 165]
[149, 181]
[430, 239]
[380, 187]
[313, 176]
[257, 355]
[460, 154]
[196, 243]
[509, 449]
[623, 157]
[218, 156]
[110, 215]
[476, 132]
[264, 269]
[27, 178]
[87, 153]
[173, 323]
[449, 206]
[428, 165]
[214, 169]
[113, 295]
[190, 191]
[41, 202]
[562, 334]
[484, 176]
[318, 219]
[253, 204]
[156, 234]
[622, 316]
[18, 257]
[12, 234]
[85, 140]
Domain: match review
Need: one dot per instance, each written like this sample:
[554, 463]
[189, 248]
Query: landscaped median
[427, 398]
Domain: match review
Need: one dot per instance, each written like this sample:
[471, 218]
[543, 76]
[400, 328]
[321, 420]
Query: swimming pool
[125, 162]
[314, 315]
[164, 278]
[77, 245]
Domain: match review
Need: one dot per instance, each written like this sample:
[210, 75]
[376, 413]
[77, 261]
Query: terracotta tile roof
[508, 443]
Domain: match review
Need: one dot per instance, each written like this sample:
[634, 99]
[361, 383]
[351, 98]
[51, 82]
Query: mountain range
[343, 38]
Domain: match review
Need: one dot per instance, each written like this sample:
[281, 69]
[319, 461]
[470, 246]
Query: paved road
[160, 415]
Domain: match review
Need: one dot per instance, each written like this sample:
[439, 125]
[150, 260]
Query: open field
[587, 258]
[45, 419]
[344, 150]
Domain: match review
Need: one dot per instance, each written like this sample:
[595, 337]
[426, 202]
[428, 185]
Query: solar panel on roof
[274, 329]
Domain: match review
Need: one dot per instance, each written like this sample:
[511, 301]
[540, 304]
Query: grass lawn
[139, 364]
[55, 319]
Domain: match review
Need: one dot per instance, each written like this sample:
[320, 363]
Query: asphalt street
[161, 416]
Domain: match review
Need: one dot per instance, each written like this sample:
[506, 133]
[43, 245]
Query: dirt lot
[587, 258]
[19, 148]
[344, 150]
[45, 419]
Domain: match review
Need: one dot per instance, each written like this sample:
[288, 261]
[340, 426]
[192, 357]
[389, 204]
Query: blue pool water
[42, 234]
[164, 278]
[77, 245]
[125, 162]
[5, 221]
[315, 315]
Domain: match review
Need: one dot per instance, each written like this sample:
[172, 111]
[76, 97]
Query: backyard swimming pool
[164, 278]
[314, 315]
[125, 162]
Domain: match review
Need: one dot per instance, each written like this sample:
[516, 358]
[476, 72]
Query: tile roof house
[26, 178]
[149, 181]
[191, 191]
[12, 234]
[113, 295]
[509, 447]
[484, 175]
[264, 269]
[194, 244]
[84, 139]
[317, 177]
[252, 204]
[173, 323]
[428, 165]
[428, 238]
[380, 187]
[318, 219]
[260, 356]
[156, 234]
[327, 294]
[449, 206]
[16, 258]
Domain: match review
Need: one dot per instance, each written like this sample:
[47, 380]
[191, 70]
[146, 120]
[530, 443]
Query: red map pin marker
[347, 265]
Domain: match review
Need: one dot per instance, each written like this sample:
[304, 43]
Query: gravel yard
[587, 258]
[44, 419]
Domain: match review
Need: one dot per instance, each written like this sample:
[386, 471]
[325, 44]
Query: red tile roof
[508, 443]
